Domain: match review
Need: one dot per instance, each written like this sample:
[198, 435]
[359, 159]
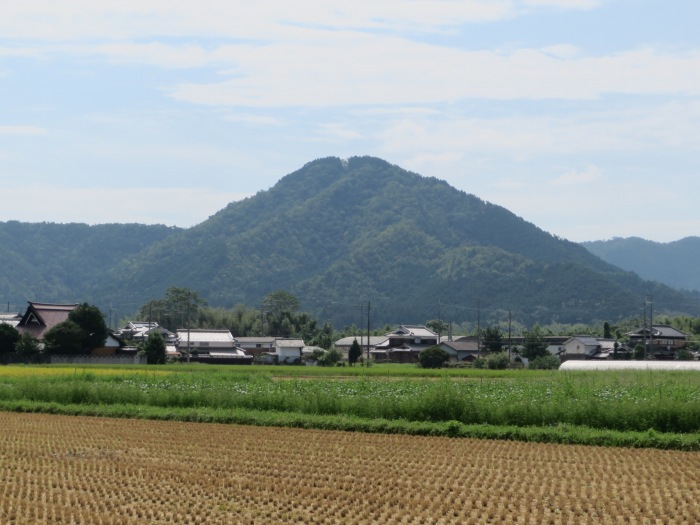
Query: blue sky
[581, 116]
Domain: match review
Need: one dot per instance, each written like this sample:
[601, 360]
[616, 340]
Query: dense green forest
[341, 236]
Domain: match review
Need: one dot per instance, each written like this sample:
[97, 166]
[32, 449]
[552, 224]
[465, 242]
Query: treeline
[281, 316]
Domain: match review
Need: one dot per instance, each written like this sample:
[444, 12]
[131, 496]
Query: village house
[465, 348]
[257, 346]
[289, 351]
[41, 317]
[138, 331]
[404, 344]
[580, 347]
[343, 345]
[660, 341]
[10, 318]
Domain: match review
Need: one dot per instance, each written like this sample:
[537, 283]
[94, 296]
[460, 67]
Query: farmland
[66, 469]
[640, 409]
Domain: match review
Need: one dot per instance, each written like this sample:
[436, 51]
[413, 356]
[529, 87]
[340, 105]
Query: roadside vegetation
[660, 409]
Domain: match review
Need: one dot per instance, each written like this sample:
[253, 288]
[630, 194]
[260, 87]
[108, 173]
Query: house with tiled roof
[580, 347]
[462, 349]
[41, 317]
[139, 331]
[660, 340]
[10, 318]
[343, 345]
[289, 350]
[404, 344]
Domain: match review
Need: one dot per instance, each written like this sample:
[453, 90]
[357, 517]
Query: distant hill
[340, 233]
[337, 234]
[64, 262]
[673, 263]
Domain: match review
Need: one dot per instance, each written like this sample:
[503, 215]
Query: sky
[580, 116]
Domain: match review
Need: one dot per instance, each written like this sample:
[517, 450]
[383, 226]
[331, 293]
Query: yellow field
[73, 470]
[54, 370]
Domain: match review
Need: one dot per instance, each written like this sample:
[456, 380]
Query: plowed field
[74, 470]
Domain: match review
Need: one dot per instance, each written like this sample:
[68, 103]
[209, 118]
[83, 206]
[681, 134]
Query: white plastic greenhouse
[630, 365]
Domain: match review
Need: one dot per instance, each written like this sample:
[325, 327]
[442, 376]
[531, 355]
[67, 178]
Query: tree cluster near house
[79, 329]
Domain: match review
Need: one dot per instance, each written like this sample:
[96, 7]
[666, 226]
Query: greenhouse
[629, 365]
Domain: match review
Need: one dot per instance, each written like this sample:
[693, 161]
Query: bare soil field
[81, 470]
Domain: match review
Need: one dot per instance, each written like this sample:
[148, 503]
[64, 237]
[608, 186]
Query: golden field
[78, 470]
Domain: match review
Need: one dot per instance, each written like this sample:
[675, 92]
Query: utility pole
[478, 327]
[651, 322]
[262, 320]
[510, 342]
[188, 329]
[367, 332]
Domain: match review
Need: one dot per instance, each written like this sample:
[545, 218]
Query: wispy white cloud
[240, 19]
[376, 70]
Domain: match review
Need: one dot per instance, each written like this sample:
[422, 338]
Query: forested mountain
[337, 234]
[63, 262]
[342, 233]
[672, 263]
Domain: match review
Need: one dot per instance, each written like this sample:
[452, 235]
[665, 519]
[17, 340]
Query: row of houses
[402, 345]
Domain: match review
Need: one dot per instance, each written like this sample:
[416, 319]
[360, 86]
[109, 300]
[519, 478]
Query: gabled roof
[660, 330]
[290, 343]
[256, 340]
[205, 336]
[362, 340]
[412, 331]
[462, 346]
[41, 317]
[586, 340]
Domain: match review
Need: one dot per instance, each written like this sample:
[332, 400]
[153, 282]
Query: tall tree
[28, 349]
[355, 352]
[65, 338]
[607, 333]
[180, 307]
[534, 345]
[154, 348]
[492, 340]
[280, 301]
[92, 322]
[8, 341]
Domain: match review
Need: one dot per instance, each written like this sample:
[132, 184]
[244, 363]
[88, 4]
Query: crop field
[658, 409]
[80, 470]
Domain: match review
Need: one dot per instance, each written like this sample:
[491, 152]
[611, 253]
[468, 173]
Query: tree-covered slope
[344, 232]
[673, 263]
[63, 262]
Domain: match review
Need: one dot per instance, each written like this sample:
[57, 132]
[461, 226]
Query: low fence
[99, 360]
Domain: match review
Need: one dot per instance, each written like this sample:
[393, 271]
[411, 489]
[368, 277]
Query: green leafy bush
[433, 357]
[547, 362]
[497, 361]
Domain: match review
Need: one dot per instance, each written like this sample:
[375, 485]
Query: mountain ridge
[670, 263]
[340, 233]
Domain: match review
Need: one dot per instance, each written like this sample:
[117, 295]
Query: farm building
[629, 365]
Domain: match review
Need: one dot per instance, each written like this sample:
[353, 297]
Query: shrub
[433, 357]
[497, 361]
[547, 362]
[330, 358]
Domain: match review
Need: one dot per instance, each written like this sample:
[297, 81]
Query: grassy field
[650, 409]
[95, 471]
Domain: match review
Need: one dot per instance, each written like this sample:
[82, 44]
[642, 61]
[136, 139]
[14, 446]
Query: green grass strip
[561, 434]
